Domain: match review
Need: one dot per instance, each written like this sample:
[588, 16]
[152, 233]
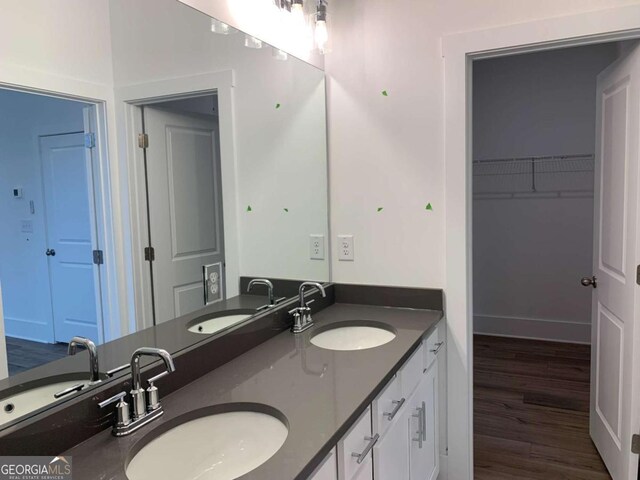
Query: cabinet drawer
[328, 469]
[388, 405]
[357, 441]
[434, 345]
[411, 371]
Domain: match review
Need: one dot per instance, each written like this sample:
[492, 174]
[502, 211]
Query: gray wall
[531, 250]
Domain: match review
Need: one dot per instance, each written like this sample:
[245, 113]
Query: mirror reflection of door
[50, 284]
[184, 205]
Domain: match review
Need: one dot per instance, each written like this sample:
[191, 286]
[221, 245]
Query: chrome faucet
[145, 403]
[94, 369]
[263, 281]
[302, 314]
[93, 355]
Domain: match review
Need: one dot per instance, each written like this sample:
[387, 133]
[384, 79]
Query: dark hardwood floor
[531, 411]
[25, 354]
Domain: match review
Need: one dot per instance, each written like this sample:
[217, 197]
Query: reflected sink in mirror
[353, 336]
[218, 322]
[32, 396]
[235, 443]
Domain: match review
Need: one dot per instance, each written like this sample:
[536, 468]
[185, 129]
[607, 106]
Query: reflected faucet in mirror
[272, 300]
[145, 403]
[94, 368]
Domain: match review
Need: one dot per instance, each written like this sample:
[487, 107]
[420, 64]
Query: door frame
[128, 100]
[108, 301]
[459, 51]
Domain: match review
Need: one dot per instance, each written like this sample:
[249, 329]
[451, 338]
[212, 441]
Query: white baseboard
[27, 330]
[533, 328]
[444, 462]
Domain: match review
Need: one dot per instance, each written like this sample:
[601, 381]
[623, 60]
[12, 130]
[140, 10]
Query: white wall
[23, 266]
[280, 152]
[530, 252]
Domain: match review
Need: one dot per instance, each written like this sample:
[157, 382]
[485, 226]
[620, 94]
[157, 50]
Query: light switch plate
[345, 248]
[316, 247]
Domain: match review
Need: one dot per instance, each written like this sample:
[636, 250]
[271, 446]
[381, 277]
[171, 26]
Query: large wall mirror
[212, 154]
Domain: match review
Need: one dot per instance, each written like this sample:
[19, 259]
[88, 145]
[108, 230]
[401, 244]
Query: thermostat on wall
[17, 192]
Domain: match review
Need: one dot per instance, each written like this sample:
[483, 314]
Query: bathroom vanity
[346, 413]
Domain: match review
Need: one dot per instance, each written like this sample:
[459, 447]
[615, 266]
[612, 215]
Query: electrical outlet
[345, 248]
[317, 247]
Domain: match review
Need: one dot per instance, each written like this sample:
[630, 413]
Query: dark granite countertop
[172, 336]
[286, 373]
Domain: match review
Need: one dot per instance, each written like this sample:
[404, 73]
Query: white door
[615, 403]
[185, 208]
[70, 224]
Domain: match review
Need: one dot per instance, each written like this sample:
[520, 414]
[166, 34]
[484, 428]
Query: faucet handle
[154, 379]
[122, 409]
[116, 398]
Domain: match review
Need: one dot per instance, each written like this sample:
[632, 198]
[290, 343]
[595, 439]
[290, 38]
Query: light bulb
[322, 35]
[219, 27]
[297, 13]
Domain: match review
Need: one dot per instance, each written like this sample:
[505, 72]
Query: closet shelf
[542, 174]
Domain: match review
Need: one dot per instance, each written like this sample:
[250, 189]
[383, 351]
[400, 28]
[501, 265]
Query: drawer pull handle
[437, 349]
[422, 424]
[398, 405]
[372, 441]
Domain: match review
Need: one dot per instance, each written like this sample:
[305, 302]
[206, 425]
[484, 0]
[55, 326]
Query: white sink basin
[218, 322]
[222, 446]
[29, 398]
[352, 337]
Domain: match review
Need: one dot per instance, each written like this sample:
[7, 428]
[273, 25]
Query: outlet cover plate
[345, 248]
[316, 246]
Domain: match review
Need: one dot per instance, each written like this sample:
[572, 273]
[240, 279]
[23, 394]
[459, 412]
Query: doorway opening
[538, 132]
[183, 190]
[51, 247]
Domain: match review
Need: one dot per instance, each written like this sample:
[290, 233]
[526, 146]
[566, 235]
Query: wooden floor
[25, 354]
[531, 411]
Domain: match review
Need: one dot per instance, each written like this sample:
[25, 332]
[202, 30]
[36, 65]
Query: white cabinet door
[391, 454]
[328, 469]
[423, 428]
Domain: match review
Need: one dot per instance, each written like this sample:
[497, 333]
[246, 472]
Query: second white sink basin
[221, 446]
[352, 337]
[220, 321]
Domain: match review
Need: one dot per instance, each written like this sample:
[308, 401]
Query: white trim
[459, 50]
[128, 98]
[532, 328]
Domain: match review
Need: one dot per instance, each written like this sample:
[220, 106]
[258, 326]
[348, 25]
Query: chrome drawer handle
[398, 405]
[424, 421]
[438, 347]
[419, 432]
[372, 441]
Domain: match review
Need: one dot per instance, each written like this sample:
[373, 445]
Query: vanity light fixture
[220, 27]
[252, 42]
[321, 31]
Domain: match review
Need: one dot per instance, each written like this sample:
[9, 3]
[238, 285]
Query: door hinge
[638, 274]
[635, 443]
[89, 140]
[143, 140]
[98, 257]
[149, 254]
